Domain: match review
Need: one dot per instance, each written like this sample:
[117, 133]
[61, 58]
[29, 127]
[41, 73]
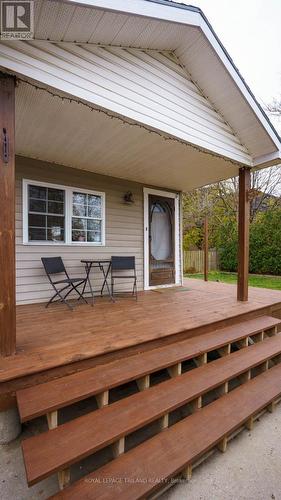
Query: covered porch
[54, 342]
[40, 339]
[86, 119]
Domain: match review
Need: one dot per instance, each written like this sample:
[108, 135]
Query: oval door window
[161, 231]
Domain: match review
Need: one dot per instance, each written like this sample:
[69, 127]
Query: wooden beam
[222, 445]
[259, 337]
[206, 247]
[143, 383]
[242, 343]
[7, 216]
[102, 399]
[271, 407]
[250, 424]
[225, 350]
[196, 404]
[164, 422]
[118, 448]
[52, 419]
[243, 234]
[63, 478]
[175, 370]
[201, 360]
[222, 389]
[187, 472]
[245, 377]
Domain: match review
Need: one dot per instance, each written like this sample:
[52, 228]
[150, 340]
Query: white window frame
[69, 190]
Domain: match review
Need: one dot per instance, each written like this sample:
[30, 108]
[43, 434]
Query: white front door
[161, 239]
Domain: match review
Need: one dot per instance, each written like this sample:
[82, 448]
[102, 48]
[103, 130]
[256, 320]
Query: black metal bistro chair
[119, 268]
[55, 265]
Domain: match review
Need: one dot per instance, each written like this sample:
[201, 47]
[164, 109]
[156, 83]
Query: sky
[250, 30]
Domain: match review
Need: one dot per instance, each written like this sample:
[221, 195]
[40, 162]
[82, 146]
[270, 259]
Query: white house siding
[123, 236]
[146, 86]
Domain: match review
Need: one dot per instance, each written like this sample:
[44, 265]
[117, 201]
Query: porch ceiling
[71, 134]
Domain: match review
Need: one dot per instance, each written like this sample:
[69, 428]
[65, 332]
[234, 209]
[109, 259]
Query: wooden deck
[56, 338]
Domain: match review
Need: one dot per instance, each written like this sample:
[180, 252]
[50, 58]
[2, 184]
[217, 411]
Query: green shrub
[193, 238]
[227, 244]
[265, 244]
[190, 270]
[228, 256]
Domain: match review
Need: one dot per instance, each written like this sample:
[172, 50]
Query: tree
[196, 206]
[275, 108]
[265, 183]
[220, 203]
[264, 193]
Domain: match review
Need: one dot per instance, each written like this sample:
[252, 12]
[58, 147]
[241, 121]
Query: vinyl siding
[123, 230]
[146, 86]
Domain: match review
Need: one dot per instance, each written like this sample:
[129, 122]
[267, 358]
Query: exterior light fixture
[128, 198]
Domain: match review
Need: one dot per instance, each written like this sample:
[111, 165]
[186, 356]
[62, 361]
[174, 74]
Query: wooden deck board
[48, 338]
[43, 398]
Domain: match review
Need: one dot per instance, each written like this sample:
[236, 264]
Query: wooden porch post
[243, 234]
[7, 216]
[206, 248]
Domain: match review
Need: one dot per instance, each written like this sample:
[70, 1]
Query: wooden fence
[193, 260]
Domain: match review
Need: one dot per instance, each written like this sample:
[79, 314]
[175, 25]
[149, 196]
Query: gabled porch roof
[167, 26]
[144, 89]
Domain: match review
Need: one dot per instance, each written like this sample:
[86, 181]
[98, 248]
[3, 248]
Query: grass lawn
[258, 280]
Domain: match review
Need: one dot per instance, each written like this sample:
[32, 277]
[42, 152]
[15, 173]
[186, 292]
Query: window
[46, 214]
[62, 215]
[86, 217]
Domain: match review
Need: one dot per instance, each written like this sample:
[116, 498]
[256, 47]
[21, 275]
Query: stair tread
[87, 434]
[137, 472]
[40, 399]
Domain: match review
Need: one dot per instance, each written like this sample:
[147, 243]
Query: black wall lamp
[129, 198]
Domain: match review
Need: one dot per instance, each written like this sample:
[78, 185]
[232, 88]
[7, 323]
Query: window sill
[53, 244]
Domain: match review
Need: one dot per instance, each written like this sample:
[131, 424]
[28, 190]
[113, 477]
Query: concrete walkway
[249, 470]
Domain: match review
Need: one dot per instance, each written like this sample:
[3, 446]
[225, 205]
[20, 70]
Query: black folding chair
[55, 265]
[119, 266]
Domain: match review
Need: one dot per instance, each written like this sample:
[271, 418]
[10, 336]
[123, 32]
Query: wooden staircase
[218, 389]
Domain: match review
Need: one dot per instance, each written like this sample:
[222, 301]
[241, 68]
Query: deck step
[85, 435]
[47, 397]
[137, 472]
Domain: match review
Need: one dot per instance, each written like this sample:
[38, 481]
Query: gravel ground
[249, 470]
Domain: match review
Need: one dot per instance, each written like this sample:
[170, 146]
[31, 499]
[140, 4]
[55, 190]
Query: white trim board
[167, 194]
